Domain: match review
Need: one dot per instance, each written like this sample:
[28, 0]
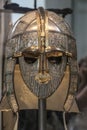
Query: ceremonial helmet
[44, 44]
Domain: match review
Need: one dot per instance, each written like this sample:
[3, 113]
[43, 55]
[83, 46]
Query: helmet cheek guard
[45, 47]
[72, 63]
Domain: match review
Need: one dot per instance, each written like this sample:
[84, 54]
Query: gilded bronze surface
[43, 45]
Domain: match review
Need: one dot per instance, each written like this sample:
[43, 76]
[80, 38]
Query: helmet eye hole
[30, 60]
[30, 57]
[55, 57]
[55, 60]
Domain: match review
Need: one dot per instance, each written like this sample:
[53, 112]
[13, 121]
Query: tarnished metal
[45, 46]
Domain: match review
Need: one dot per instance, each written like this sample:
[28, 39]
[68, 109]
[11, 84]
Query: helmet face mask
[43, 80]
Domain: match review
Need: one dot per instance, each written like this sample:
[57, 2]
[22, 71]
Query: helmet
[45, 46]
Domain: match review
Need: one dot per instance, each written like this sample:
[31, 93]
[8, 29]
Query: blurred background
[77, 21]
